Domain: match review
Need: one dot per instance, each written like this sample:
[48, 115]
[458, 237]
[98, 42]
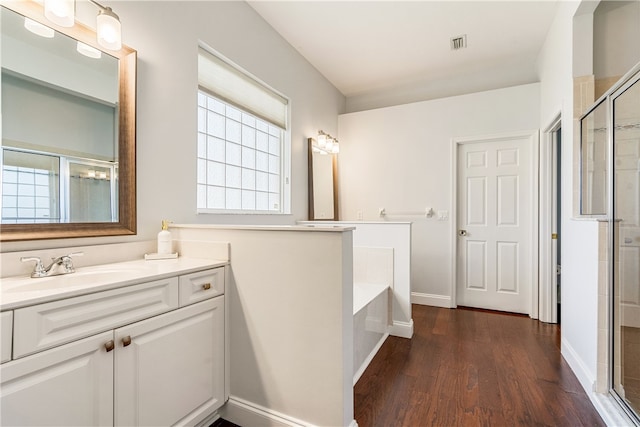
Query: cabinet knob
[110, 345]
[126, 341]
[206, 286]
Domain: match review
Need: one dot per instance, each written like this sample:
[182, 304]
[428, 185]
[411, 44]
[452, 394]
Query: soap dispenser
[164, 239]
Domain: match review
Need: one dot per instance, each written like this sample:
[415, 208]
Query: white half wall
[290, 302]
[396, 235]
[399, 158]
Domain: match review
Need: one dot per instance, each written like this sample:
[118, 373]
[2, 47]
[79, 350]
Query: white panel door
[494, 224]
[70, 385]
[169, 370]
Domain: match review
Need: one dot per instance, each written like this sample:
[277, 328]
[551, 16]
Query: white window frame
[285, 143]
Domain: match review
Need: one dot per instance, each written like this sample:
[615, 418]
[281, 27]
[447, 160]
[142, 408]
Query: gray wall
[166, 36]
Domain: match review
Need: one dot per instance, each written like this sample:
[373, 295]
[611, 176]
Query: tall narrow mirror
[68, 130]
[323, 184]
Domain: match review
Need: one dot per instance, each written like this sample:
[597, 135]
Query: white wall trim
[245, 413]
[577, 365]
[443, 301]
[606, 406]
[547, 295]
[401, 329]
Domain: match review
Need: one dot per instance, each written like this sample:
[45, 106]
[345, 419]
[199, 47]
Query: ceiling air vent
[459, 42]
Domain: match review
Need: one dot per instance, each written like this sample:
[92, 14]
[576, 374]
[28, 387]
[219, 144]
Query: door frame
[548, 299]
[533, 136]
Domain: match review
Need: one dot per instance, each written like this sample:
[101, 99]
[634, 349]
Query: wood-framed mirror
[323, 185]
[76, 178]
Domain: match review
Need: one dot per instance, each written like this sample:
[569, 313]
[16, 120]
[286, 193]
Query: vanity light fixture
[39, 29]
[61, 12]
[88, 51]
[108, 27]
[325, 144]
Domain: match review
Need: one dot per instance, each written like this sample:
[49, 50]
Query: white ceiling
[369, 47]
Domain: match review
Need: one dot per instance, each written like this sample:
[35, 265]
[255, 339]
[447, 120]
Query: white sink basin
[82, 277]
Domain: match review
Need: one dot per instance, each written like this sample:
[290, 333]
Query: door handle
[109, 345]
[126, 341]
[462, 233]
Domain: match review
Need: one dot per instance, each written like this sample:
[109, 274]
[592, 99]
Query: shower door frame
[631, 78]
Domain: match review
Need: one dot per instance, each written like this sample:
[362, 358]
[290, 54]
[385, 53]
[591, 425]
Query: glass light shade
[322, 140]
[61, 12]
[37, 28]
[336, 148]
[88, 51]
[329, 145]
[109, 29]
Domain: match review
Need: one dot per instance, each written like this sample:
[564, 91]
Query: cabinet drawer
[199, 286]
[6, 329]
[46, 325]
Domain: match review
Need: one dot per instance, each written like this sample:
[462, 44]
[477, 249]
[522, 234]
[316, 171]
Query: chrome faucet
[59, 265]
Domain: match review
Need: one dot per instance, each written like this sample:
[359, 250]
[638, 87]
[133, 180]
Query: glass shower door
[626, 247]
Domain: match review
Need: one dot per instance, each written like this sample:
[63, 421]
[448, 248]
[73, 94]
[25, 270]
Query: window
[243, 150]
[29, 188]
[39, 187]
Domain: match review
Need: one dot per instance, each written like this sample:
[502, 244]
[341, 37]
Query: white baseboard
[245, 413]
[612, 414]
[443, 301]
[401, 329]
[206, 422]
[369, 358]
[577, 366]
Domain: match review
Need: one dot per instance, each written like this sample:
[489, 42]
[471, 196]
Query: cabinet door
[6, 330]
[71, 385]
[170, 369]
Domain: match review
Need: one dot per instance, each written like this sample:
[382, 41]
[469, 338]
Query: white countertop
[315, 227]
[21, 291]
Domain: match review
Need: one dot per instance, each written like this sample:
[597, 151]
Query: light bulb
[61, 12]
[329, 145]
[109, 29]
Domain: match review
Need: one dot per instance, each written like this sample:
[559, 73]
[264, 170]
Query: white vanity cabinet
[6, 326]
[169, 369]
[127, 356]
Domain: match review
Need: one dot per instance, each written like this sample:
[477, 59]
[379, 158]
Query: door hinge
[558, 270]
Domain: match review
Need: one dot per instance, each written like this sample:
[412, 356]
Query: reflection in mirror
[68, 130]
[323, 184]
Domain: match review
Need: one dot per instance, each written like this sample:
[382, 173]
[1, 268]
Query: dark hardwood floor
[468, 367]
